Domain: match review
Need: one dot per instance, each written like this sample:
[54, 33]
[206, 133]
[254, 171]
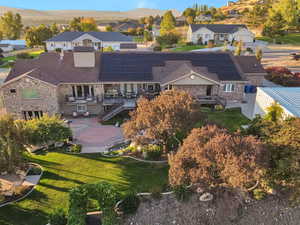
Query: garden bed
[152, 154]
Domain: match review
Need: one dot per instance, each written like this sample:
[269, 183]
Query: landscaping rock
[206, 197]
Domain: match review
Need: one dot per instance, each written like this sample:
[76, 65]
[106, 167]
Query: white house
[287, 97]
[203, 17]
[202, 33]
[6, 47]
[97, 40]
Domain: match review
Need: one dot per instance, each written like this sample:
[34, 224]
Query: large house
[91, 82]
[68, 40]
[202, 33]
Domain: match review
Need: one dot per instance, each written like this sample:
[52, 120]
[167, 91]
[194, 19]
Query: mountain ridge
[32, 16]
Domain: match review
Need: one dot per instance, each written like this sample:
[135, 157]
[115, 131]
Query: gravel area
[227, 209]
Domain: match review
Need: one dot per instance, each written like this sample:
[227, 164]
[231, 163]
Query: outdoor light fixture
[192, 77]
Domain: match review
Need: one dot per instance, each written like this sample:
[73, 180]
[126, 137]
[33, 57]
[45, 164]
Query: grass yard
[5, 60]
[232, 119]
[292, 39]
[186, 48]
[64, 171]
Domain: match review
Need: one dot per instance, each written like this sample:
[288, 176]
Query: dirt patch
[225, 209]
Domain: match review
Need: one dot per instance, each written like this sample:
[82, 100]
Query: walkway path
[93, 136]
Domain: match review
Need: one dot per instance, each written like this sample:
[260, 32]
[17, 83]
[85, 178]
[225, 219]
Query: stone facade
[236, 95]
[16, 102]
[255, 79]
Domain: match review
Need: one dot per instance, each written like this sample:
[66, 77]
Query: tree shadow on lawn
[16, 215]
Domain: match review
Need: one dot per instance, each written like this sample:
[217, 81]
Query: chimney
[84, 57]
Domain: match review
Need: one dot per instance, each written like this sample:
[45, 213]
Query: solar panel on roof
[138, 66]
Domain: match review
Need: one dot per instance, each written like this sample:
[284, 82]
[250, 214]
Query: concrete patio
[93, 136]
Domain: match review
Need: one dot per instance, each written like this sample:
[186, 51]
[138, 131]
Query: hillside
[33, 17]
[241, 5]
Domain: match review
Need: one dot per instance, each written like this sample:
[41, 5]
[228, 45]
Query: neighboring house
[198, 33]
[109, 82]
[103, 26]
[181, 20]
[126, 26]
[287, 97]
[13, 44]
[203, 17]
[68, 40]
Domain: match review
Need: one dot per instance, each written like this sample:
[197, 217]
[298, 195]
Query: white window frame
[229, 87]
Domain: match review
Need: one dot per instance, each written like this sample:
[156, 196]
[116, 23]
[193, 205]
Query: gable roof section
[51, 69]
[288, 97]
[219, 28]
[137, 66]
[103, 36]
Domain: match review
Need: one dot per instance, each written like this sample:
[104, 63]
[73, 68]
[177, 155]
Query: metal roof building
[287, 97]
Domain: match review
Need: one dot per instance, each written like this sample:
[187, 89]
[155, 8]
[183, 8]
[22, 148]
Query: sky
[113, 5]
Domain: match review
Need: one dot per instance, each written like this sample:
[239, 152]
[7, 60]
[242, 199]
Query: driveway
[93, 136]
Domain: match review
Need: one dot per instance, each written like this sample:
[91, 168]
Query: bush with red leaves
[283, 76]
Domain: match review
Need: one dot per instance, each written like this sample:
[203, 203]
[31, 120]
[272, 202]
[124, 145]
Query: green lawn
[186, 48]
[13, 58]
[64, 171]
[293, 39]
[232, 119]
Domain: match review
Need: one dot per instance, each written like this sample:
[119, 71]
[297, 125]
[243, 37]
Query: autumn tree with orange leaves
[211, 156]
[164, 120]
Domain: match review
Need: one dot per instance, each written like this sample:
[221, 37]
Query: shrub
[58, 50]
[58, 217]
[182, 193]
[76, 148]
[259, 194]
[189, 43]
[24, 55]
[153, 152]
[130, 203]
[156, 192]
[157, 49]
[168, 39]
[108, 49]
[249, 50]
[2, 198]
[20, 190]
[282, 76]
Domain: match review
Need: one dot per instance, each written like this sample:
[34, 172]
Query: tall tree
[162, 120]
[35, 36]
[11, 25]
[211, 156]
[275, 25]
[54, 29]
[289, 12]
[12, 141]
[75, 24]
[168, 23]
[190, 15]
[88, 24]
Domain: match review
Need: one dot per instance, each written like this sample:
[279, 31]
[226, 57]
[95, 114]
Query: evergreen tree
[275, 25]
[168, 23]
[289, 12]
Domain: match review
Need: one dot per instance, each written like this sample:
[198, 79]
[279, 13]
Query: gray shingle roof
[129, 66]
[103, 36]
[219, 28]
